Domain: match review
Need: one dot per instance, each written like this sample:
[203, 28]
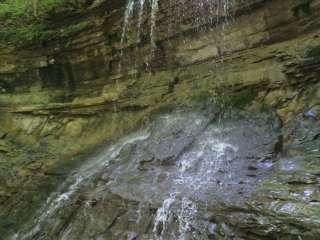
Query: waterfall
[154, 11]
[163, 217]
[142, 2]
[165, 176]
[181, 211]
[196, 170]
[127, 15]
[82, 178]
[208, 10]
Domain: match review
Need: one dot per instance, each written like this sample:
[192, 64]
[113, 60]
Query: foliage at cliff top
[24, 21]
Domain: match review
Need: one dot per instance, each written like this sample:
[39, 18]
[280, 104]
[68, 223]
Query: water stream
[126, 20]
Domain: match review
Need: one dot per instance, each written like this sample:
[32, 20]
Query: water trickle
[163, 217]
[82, 178]
[154, 12]
[141, 9]
[180, 211]
[187, 218]
[206, 11]
[127, 15]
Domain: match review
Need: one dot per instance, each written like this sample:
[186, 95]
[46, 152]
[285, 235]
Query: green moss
[234, 100]
[21, 33]
[237, 100]
[20, 26]
[36, 33]
[13, 11]
[202, 97]
[48, 34]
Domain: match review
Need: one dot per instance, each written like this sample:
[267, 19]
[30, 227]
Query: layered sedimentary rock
[65, 96]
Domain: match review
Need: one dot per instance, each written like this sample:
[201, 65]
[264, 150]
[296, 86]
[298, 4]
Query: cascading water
[206, 11]
[84, 174]
[127, 15]
[166, 176]
[183, 212]
[189, 173]
[196, 169]
[181, 164]
[173, 172]
[163, 217]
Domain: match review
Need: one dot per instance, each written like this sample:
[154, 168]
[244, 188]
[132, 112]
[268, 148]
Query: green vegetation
[25, 21]
[241, 99]
[18, 11]
[36, 33]
[237, 100]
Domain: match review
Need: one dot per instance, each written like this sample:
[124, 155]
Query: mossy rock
[312, 55]
[239, 100]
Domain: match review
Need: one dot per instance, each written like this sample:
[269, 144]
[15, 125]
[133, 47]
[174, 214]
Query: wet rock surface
[170, 180]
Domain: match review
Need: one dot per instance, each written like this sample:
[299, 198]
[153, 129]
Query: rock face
[185, 164]
[66, 96]
[191, 174]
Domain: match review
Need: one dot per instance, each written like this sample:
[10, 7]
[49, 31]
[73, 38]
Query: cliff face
[65, 96]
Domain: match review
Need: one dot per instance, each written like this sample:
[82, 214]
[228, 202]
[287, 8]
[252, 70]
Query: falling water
[197, 169]
[58, 199]
[139, 39]
[187, 218]
[207, 11]
[163, 217]
[180, 210]
[142, 2]
[154, 11]
[127, 16]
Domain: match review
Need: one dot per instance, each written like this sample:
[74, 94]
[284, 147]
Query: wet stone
[161, 181]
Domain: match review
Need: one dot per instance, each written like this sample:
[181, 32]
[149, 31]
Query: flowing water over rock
[162, 182]
[208, 11]
[141, 17]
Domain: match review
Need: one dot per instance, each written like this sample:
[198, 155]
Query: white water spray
[58, 199]
[127, 16]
